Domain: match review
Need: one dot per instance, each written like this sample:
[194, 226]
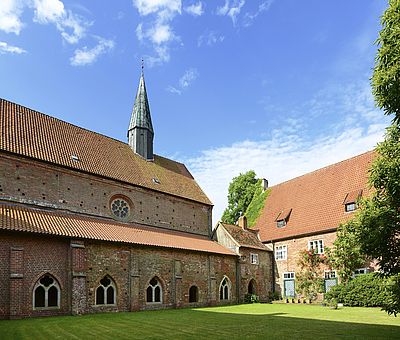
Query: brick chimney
[242, 222]
[264, 184]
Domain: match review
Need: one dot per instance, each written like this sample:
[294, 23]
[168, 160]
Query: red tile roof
[32, 134]
[316, 199]
[244, 237]
[26, 219]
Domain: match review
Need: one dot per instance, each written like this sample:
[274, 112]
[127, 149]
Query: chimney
[242, 222]
[264, 184]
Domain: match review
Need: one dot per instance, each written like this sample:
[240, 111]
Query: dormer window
[280, 223]
[282, 218]
[350, 207]
[350, 201]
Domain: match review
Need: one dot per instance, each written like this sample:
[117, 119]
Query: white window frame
[352, 205]
[229, 285]
[289, 276]
[153, 294]
[330, 274]
[281, 252]
[254, 258]
[318, 245]
[105, 289]
[365, 270]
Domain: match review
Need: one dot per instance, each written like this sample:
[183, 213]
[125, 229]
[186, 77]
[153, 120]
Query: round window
[120, 208]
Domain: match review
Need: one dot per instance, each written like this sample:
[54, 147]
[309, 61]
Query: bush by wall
[368, 290]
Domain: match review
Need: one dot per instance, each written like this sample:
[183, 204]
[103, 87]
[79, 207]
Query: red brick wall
[40, 184]
[39, 255]
[261, 273]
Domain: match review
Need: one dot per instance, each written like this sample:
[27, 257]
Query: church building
[91, 224]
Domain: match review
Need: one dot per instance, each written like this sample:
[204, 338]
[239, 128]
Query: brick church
[91, 224]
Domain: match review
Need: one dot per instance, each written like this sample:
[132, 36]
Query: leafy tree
[308, 279]
[386, 77]
[378, 221]
[240, 193]
[346, 255]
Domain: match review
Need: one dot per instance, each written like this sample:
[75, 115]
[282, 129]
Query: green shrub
[257, 203]
[251, 298]
[273, 296]
[368, 290]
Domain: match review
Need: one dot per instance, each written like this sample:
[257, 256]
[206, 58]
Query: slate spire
[140, 132]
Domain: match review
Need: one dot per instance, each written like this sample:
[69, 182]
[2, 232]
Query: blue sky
[278, 86]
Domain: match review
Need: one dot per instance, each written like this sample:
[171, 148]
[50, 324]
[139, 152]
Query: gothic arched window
[46, 293]
[225, 289]
[106, 292]
[154, 291]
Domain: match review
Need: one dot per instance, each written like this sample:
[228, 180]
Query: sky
[280, 87]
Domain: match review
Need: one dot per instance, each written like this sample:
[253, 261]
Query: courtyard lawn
[258, 321]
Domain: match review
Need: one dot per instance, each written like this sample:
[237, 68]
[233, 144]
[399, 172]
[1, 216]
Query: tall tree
[386, 77]
[240, 193]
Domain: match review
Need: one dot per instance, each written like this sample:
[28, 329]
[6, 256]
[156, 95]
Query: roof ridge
[82, 128]
[321, 169]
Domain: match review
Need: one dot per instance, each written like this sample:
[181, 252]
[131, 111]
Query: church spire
[140, 132]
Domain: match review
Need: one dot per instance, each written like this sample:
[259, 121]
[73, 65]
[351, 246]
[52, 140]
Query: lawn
[258, 321]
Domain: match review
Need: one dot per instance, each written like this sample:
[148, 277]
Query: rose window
[120, 208]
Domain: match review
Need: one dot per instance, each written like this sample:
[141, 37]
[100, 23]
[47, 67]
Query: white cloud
[290, 150]
[6, 48]
[146, 7]
[210, 38]
[87, 56]
[174, 90]
[10, 13]
[157, 30]
[185, 81]
[195, 9]
[250, 17]
[72, 27]
[231, 9]
[188, 78]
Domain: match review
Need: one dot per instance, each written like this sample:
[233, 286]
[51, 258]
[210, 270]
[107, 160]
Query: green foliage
[308, 280]
[345, 256]
[392, 304]
[378, 221]
[256, 204]
[369, 290]
[251, 298]
[386, 77]
[240, 193]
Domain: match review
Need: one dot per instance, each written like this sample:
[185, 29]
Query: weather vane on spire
[142, 65]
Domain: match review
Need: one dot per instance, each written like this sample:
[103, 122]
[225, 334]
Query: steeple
[140, 132]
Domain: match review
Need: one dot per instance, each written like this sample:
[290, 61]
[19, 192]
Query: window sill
[46, 308]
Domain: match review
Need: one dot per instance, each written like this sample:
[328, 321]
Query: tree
[240, 193]
[346, 255]
[378, 221]
[308, 279]
[386, 77]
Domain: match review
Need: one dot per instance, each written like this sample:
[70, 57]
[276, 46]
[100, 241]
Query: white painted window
[350, 207]
[360, 271]
[330, 274]
[106, 292]
[317, 245]
[280, 252]
[154, 291]
[288, 275]
[225, 289]
[254, 258]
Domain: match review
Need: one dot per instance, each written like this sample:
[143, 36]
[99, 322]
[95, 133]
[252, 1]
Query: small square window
[288, 275]
[280, 223]
[330, 274]
[350, 207]
[254, 258]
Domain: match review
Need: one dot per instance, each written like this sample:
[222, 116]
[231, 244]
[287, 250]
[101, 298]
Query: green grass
[258, 321]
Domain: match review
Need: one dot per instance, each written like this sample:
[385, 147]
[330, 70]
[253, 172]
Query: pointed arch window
[251, 289]
[193, 294]
[46, 293]
[154, 291]
[106, 292]
[225, 289]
